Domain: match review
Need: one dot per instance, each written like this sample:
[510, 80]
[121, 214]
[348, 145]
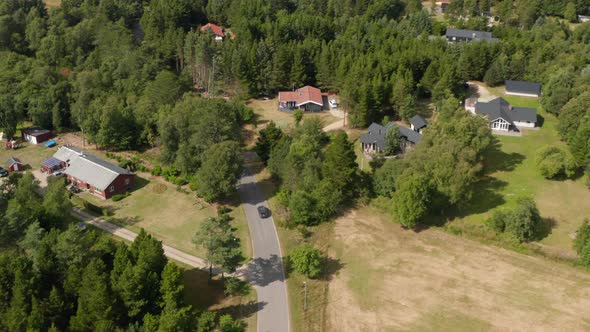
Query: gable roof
[418, 121]
[13, 161]
[89, 168]
[471, 34]
[302, 96]
[216, 29]
[500, 108]
[523, 87]
[376, 134]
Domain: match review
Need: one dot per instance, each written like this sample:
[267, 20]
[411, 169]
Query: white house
[505, 117]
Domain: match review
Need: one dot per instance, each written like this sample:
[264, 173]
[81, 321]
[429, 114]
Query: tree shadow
[243, 310]
[540, 120]
[545, 228]
[126, 221]
[331, 267]
[263, 271]
[496, 160]
[200, 292]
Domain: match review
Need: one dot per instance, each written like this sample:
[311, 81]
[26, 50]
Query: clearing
[511, 172]
[393, 279]
[266, 111]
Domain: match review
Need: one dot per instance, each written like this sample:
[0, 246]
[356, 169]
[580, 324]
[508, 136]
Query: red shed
[14, 165]
[36, 135]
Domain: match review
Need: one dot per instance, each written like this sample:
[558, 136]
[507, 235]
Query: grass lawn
[266, 110]
[512, 172]
[391, 279]
[170, 215]
[31, 155]
[52, 3]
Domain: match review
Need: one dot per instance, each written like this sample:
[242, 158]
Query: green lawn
[512, 172]
[31, 155]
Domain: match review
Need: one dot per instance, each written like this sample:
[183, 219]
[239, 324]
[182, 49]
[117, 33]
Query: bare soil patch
[394, 279]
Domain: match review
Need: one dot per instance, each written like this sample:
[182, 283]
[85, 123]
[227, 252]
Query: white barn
[523, 89]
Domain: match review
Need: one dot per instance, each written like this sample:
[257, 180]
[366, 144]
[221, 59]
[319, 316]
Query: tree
[228, 324]
[411, 199]
[221, 169]
[558, 91]
[307, 260]
[267, 139]
[206, 322]
[392, 140]
[570, 13]
[553, 161]
[582, 237]
[302, 208]
[218, 238]
[176, 316]
[56, 203]
[298, 116]
[524, 220]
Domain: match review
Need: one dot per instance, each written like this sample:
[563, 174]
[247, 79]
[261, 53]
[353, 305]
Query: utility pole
[305, 296]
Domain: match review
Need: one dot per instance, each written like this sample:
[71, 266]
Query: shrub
[228, 324]
[96, 209]
[524, 221]
[236, 287]
[307, 260]
[553, 162]
[157, 171]
[582, 237]
[498, 221]
[119, 197]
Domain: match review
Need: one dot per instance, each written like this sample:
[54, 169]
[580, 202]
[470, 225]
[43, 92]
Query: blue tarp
[50, 144]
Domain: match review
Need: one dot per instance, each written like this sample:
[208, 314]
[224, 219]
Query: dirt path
[400, 280]
[480, 91]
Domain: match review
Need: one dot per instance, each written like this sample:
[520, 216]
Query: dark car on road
[3, 172]
[263, 212]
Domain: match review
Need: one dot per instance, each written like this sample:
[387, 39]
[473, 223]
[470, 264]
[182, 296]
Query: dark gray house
[505, 117]
[523, 88]
[373, 141]
[417, 123]
[458, 35]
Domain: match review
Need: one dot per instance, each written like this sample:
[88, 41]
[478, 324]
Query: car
[3, 172]
[263, 212]
[58, 174]
[333, 103]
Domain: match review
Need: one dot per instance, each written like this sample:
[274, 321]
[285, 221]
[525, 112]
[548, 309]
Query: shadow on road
[243, 310]
[262, 271]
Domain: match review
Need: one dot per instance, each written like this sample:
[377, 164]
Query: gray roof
[523, 87]
[13, 161]
[470, 34]
[89, 168]
[500, 108]
[376, 134]
[418, 121]
[35, 131]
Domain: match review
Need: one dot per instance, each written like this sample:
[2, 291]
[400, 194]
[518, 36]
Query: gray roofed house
[373, 141]
[523, 88]
[91, 172]
[417, 123]
[459, 35]
[505, 117]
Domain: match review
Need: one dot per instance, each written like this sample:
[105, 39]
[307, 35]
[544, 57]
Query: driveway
[265, 271]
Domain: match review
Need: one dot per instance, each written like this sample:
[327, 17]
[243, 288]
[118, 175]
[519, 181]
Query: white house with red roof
[215, 29]
[308, 98]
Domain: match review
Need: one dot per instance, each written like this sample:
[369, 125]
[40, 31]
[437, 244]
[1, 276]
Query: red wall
[118, 183]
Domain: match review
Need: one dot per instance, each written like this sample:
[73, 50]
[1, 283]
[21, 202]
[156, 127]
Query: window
[127, 181]
[112, 188]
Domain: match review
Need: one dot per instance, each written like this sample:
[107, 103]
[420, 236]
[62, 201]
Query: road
[128, 235]
[265, 271]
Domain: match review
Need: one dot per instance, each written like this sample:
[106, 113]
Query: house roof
[523, 87]
[500, 108]
[13, 161]
[471, 34]
[418, 121]
[216, 29]
[376, 134]
[52, 163]
[35, 131]
[89, 168]
[302, 96]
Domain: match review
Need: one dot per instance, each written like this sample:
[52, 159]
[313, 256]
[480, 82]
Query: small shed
[14, 165]
[36, 135]
[51, 165]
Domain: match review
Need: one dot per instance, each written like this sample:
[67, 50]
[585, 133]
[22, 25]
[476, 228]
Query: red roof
[307, 94]
[216, 29]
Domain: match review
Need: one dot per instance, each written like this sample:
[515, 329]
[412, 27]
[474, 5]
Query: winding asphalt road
[265, 271]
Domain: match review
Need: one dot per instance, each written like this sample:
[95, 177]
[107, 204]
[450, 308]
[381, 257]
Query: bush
[307, 260]
[96, 209]
[554, 162]
[157, 171]
[236, 287]
[228, 324]
[498, 221]
[524, 221]
[119, 197]
[582, 237]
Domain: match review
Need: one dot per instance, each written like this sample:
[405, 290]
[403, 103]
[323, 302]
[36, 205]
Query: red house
[91, 173]
[36, 135]
[215, 29]
[307, 98]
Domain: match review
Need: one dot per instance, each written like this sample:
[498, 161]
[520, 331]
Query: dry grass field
[52, 3]
[397, 280]
[266, 110]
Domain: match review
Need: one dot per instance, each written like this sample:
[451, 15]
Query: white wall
[521, 94]
[524, 124]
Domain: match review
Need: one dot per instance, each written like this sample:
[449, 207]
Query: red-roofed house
[215, 29]
[307, 98]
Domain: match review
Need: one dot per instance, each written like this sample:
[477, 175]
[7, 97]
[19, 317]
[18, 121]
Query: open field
[31, 155]
[512, 172]
[266, 110]
[398, 280]
[52, 3]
